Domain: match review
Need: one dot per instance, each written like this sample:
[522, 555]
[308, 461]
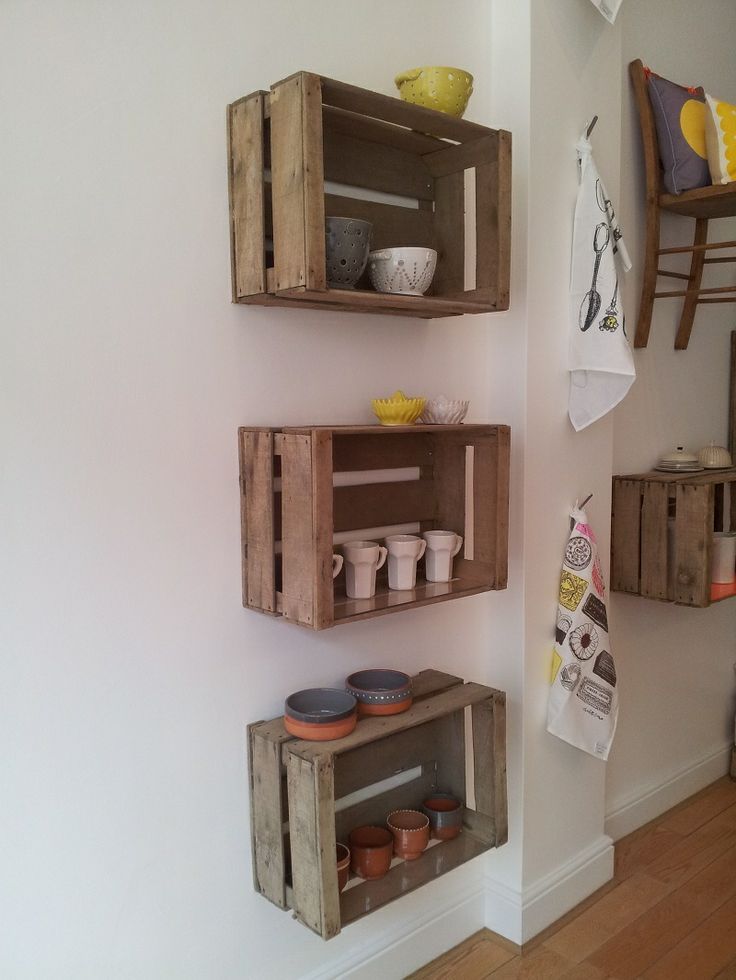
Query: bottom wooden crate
[305, 796]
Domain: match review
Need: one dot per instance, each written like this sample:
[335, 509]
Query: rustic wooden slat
[693, 544]
[378, 131]
[363, 300]
[322, 523]
[394, 110]
[298, 531]
[732, 406]
[257, 502]
[368, 764]
[269, 868]
[288, 184]
[449, 223]
[373, 448]
[393, 224]
[694, 479]
[374, 728]
[245, 169]
[654, 540]
[625, 530]
[312, 833]
[489, 763]
[383, 504]
[462, 156]
[361, 163]
[493, 227]
[491, 467]
[308, 302]
[388, 600]
[314, 182]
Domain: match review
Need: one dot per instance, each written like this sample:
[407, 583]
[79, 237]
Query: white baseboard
[519, 916]
[642, 806]
[393, 953]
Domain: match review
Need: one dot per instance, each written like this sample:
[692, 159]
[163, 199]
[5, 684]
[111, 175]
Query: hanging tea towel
[600, 360]
[583, 702]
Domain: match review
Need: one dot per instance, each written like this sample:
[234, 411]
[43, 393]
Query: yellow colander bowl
[398, 409]
[445, 89]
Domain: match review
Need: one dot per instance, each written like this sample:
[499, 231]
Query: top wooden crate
[285, 144]
[662, 534]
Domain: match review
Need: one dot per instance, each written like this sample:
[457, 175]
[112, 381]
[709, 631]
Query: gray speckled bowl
[380, 691]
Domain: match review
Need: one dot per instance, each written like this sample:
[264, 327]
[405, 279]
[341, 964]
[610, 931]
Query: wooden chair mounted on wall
[702, 204]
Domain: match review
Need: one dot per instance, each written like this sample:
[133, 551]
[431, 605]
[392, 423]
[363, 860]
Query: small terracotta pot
[445, 815]
[371, 849]
[410, 830]
[343, 865]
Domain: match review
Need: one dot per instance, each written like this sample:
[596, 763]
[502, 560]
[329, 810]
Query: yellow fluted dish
[398, 409]
[435, 87]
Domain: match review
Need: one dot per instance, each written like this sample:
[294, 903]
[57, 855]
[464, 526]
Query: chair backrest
[652, 168]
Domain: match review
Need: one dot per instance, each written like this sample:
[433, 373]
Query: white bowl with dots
[406, 270]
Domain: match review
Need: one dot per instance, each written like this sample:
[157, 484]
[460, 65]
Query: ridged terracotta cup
[371, 849]
[410, 830]
[342, 856]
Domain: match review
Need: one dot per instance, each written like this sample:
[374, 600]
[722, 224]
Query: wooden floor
[668, 914]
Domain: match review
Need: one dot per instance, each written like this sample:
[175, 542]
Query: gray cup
[347, 243]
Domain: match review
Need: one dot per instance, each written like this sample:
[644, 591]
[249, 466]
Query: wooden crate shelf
[299, 495]
[662, 534]
[285, 144]
[305, 796]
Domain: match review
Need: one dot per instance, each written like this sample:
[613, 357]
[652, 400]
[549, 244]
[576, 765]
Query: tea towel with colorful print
[583, 700]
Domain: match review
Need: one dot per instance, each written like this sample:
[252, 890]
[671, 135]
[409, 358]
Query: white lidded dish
[714, 457]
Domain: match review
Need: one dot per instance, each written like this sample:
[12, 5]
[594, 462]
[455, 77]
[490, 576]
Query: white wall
[129, 667]
[675, 664]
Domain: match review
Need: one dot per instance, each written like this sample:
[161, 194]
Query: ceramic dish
[398, 409]
[444, 411]
[380, 691]
[437, 87]
[445, 815]
[405, 270]
[714, 457]
[410, 829]
[320, 714]
[347, 243]
[371, 849]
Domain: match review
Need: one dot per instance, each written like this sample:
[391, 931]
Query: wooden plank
[378, 448]
[694, 479]
[450, 754]
[393, 224]
[493, 227]
[363, 300]
[297, 184]
[383, 504]
[245, 170]
[693, 544]
[293, 302]
[322, 523]
[492, 467]
[489, 766]
[378, 131]
[475, 958]
[389, 600]
[704, 952]
[377, 727]
[452, 159]
[266, 803]
[298, 531]
[257, 501]
[625, 530]
[714, 201]
[732, 410]
[360, 163]
[682, 338]
[394, 110]
[449, 223]
[654, 566]
[312, 831]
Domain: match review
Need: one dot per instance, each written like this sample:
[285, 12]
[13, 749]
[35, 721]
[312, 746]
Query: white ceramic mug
[337, 561]
[442, 546]
[362, 561]
[723, 567]
[404, 551]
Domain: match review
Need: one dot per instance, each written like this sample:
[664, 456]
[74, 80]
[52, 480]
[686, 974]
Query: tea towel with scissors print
[583, 698]
[600, 361]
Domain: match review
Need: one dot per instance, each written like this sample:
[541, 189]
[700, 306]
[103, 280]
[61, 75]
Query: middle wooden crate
[304, 490]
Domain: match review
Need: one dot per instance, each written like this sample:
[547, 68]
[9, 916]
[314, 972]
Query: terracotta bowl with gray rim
[445, 814]
[320, 714]
[380, 691]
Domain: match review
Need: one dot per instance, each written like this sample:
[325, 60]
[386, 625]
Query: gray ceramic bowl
[347, 243]
[320, 705]
[379, 686]
[445, 814]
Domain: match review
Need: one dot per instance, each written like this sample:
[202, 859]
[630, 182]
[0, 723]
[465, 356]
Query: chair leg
[693, 285]
[649, 280]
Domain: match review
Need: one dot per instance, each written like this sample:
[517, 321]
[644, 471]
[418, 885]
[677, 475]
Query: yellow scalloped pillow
[720, 140]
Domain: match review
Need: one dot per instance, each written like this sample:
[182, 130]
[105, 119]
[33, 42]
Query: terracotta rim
[401, 820]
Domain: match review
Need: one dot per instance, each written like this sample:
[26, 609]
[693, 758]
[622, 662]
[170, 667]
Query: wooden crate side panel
[625, 535]
[732, 404]
[298, 531]
[381, 450]
[266, 803]
[497, 231]
[449, 482]
[375, 810]
[257, 502]
[489, 764]
[247, 218]
[492, 468]
[316, 900]
[654, 505]
[449, 225]
[360, 163]
[393, 224]
[693, 544]
[297, 183]
[450, 748]
[450, 159]
[322, 522]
